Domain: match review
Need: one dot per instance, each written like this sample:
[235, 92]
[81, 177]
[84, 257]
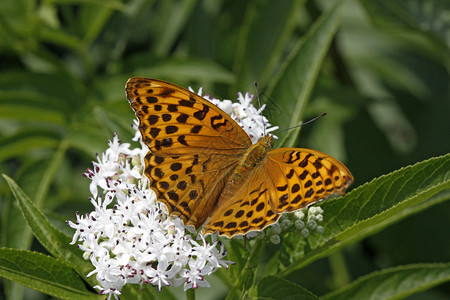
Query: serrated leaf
[43, 273]
[394, 283]
[373, 206]
[277, 288]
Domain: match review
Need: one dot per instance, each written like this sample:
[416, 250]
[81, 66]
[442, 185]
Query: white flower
[195, 275]
[250, 118]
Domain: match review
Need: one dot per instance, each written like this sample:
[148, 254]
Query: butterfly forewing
[173, 120]
[193, 146]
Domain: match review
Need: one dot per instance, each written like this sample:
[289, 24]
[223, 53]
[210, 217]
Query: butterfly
[205, 169]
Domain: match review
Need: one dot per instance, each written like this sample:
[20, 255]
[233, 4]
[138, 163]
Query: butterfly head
[266, 141]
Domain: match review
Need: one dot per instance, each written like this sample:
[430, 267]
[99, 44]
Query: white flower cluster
[129, 236]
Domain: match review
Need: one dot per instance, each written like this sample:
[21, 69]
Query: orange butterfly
[204, 168]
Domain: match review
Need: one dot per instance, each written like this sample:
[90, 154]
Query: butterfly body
[203, 166]
[253, 157]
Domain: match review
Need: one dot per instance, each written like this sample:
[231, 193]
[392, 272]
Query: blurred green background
[384, 83]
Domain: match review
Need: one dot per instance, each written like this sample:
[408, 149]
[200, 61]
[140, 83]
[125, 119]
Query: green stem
[190, 294]
[341, 275]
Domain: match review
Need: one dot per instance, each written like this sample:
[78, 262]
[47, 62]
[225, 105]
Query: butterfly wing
[244, 210]
[174, 120]
[300, 177]
[288, 179]
[194, 146]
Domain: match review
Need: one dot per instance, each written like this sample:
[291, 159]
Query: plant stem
[339, 269]
[190, 294]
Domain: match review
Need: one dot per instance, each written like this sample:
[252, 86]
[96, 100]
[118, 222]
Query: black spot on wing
[153, 119]
[187, 103]
[152, 99]
[201, 114]
[196, 129]
[218, 124]
[171, 129]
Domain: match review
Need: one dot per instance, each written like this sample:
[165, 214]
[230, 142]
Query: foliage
[378, 68]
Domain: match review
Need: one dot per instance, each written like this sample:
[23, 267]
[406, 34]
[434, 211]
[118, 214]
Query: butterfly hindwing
[300, 177]
[245, 209]
[288, 179]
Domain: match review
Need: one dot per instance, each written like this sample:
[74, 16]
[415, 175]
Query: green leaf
[245, 275]
[388, 115]
[93, 19]
[24, 142]
[118, 5]
[239, 255]
[373, 206]
[277, 288]
[87, 138]
[43, 273]
[61, 91]
[27, 113]
[56, 242]
[293, 85]
[180, 70]
[172, 21]
[394, 283]
[263, 38]
[59, 37]
[427, 17]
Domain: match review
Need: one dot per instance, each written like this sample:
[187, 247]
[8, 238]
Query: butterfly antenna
[259, 104]
[307, 122]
